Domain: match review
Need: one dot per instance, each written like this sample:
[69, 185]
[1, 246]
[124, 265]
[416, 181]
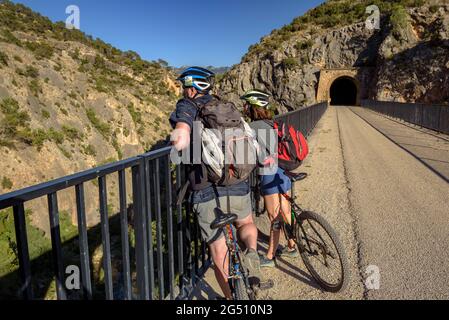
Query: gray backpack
[229, 147]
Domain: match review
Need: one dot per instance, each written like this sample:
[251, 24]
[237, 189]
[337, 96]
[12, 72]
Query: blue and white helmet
[199, 78]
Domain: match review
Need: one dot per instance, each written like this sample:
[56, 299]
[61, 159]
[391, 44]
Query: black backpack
[229, 148]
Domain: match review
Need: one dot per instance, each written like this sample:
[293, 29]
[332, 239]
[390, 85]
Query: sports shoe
[266, 263]
[286, 252]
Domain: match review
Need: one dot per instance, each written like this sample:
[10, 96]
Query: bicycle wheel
[321, 251]
[240, 291]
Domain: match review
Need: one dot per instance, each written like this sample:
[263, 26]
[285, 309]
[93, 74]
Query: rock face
[415, 68]
[69, 103]
[409, 56]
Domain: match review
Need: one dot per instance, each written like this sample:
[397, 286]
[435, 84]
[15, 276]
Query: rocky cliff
[70, 103]
[408, 56]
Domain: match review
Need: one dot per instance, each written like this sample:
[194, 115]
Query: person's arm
[180, 136]
[182, 122]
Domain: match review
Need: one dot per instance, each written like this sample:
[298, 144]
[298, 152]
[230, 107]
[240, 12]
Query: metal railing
[434, 117]
[168, 260]
[305, 119]
[153, 179]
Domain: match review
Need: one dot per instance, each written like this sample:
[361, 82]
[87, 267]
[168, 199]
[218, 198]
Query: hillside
[407, 59]
[69, 102]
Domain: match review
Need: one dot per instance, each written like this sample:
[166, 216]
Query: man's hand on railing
[180, 137]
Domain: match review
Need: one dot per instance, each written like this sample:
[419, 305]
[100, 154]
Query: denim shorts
[276, 183]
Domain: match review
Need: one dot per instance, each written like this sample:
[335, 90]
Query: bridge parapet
[434, 117]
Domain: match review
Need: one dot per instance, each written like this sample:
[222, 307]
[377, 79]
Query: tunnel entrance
[343, 92]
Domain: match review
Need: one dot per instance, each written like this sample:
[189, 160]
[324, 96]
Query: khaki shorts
[240, 205]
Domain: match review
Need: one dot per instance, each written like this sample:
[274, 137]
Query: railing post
[180, 231]
[25, 290]
[171, 257]
[140, 225]
[124, 235]
[105, 238]
[83, 243]
[56, 245]
[149, 219]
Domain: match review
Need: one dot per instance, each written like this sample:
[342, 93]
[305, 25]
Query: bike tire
[240, 291]
[344, 274]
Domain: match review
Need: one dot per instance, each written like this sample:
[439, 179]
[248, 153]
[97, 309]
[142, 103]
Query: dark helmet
[199, 78]
[257, 98]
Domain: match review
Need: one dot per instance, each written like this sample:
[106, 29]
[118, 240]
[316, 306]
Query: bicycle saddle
[222, 219]
[296, 176]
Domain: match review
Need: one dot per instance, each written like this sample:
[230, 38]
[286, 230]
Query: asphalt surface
[382, 185]
[400, 205]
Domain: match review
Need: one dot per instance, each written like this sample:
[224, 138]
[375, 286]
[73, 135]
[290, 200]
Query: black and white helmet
[257, 98]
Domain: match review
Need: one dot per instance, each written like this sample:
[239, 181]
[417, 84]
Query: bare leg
[272, 205]
[286, 210]
[219, 252]
[247, 232]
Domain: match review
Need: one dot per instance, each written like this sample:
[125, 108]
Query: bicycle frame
[235, 269]
[295, 209]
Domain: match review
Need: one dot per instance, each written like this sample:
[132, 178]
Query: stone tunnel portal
[343, 92]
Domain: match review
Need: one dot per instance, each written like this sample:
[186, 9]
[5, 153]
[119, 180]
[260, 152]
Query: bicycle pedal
[266, 285]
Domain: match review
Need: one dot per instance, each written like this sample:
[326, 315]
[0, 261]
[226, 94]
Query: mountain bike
[318, 244]
[238, 277]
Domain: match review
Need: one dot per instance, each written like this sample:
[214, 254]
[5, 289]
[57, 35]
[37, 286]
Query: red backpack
[292, 146]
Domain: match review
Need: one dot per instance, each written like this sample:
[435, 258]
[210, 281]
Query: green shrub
[71, 133]
[290, 63]
[65, 152]
[135, 115]
[31, 72]
[117, 148]
[64, 112]
[434, 8]
[89, 150]
[103, 128]
[45, 114]
[8, 37]
[3, 59]
[126, 132]
[7, 183]
[40, 50]
[399, 20]
[55, 136]
[35, 138]
[57, 67]
[14, 119]
[304, 45]
[18, 59]
[35, 87]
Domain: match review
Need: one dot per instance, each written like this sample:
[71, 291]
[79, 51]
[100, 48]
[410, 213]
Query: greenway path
[383, 185]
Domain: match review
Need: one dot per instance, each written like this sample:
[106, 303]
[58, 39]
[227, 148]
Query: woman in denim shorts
[273, 181]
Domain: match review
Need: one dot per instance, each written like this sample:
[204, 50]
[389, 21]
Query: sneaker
[252, 263]
[286, 252]
[266, 263]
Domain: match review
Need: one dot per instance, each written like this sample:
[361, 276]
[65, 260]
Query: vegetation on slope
[332, 13]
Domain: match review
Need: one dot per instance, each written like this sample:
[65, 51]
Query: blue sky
[201, 32]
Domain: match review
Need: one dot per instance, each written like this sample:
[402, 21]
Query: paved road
[383, 187]
[400, 206]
